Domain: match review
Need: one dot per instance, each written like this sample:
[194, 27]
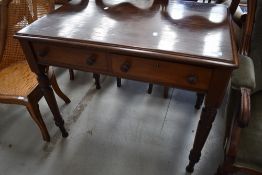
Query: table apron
[181, 75]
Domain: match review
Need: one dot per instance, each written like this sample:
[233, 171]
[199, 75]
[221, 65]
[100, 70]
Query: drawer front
[175, 74]
[79, 58]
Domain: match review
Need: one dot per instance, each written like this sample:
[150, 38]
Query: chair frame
[32, 99]
[242, 114]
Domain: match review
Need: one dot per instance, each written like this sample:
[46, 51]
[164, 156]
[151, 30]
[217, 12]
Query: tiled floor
[113, 131]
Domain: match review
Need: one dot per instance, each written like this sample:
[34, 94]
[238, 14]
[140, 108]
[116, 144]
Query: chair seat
[17, 80]
[250, 152]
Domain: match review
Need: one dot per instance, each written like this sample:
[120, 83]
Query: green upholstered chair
[243, 137]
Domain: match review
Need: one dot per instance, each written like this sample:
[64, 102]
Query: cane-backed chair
[18, 84]
[243, 136]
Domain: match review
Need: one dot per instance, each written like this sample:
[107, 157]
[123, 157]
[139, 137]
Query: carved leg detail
[150, 88]
[97, 80]
[51, 101]
[205, 123]
[199, 100]
[118, 81]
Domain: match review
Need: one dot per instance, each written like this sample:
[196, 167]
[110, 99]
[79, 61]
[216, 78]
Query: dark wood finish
[44, 85]
[71, 74]
[3, 25]
[190, 77]
[182, 44]
[83, 59]
[242, 113]
[165, 94]
[118, 80]
[248, 28]
[150, 88]
[199, 100]
[97, 80]
[34, 94]
[53, 82]
[61, 1]
[33, 108]
[213, 100]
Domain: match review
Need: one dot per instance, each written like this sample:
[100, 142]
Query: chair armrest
[244, 76]
[243, 79]
[244, 113]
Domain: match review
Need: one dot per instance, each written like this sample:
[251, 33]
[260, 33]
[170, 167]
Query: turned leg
[150, 88]
[97, 80]
[33, 109]
[50, 99]
[71, 74]
[118, 81]
[44, 85]
[213, 100]
[204, 125]
[199, 100]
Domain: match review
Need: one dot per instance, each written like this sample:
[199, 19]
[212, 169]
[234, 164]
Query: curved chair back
[15, 15]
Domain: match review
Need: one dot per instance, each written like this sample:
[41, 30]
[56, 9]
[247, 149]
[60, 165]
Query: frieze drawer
[81, 58]
[169, 73]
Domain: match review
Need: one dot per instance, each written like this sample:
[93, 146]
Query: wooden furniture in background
[18, 84]
[243, 136]
[185, 45]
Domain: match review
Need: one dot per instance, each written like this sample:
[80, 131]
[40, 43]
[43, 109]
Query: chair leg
[199, 101]
[33, 109]
[58, 90]
[222, 170]
[97, 80]
[166, 89]
[71, 74]
[150, 88]
[118, 81]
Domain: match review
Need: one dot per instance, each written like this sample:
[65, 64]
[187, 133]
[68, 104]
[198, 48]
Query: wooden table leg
[44, 84]
[51, 101]
[204, 126]
[213, 100]
[199, 100]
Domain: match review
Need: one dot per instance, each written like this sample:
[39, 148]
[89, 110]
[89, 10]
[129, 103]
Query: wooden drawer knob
[192, 79]
[91, 60]
[125, 67]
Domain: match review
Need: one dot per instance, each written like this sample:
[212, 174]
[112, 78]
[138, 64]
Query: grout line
[167, 110]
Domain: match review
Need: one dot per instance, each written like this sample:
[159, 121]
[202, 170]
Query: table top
[187, 31]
